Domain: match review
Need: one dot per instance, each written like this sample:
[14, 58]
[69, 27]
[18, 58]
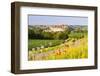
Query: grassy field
[58, 49]
[35, 43]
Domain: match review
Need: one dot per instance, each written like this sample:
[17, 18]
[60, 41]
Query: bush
[76, 35]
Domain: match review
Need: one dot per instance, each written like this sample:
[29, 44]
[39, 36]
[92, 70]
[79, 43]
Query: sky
[53, 20]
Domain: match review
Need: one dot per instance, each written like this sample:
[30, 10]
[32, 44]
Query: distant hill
[58, 27]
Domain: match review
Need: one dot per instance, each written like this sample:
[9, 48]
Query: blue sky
[51, 20]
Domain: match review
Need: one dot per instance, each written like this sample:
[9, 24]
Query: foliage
[76, 35]
[40, 34]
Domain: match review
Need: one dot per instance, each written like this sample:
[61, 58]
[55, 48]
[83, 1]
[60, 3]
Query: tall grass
[68, 50]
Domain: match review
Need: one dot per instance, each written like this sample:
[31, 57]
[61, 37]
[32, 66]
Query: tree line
[38, 33]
